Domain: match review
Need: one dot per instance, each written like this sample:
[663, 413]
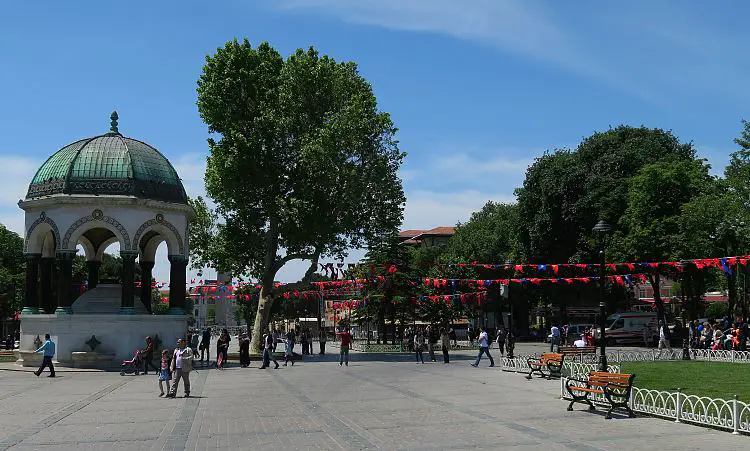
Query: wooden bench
[574, 351]
[550, 362]
[615, 387]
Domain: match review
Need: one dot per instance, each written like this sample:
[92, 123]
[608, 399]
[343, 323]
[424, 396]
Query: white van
[628, 327]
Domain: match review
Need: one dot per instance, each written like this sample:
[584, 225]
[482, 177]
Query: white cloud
[191, 168]
[17, 174]
[526, 28]
[428, 209]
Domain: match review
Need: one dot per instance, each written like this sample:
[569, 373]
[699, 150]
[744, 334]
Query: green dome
[109, 164]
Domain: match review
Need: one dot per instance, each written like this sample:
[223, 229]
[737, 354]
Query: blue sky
[478, 89]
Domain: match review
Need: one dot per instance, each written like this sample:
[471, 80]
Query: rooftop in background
[437, 236]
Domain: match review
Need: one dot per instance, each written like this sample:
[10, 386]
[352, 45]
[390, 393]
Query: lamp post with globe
[601, 231]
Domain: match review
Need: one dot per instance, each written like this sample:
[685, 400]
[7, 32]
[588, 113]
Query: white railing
[731, 415]
[721, 356]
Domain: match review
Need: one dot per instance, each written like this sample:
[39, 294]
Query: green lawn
[712, 379]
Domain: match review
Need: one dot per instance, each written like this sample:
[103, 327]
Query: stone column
[178, 265]
[65, 282]
[46, 305]
[31, 301]
[93, 267]
[146, 269]
[128, 282]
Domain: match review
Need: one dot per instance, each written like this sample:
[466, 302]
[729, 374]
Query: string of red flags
[624, 279]
[724, 263]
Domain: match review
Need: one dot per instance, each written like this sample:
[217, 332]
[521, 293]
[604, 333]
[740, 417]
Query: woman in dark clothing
[222, 348]
[244, 351]
[148, 356]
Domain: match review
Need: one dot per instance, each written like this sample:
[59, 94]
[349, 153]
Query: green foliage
[649, 229]
[716, 310]
[304, 162]
[712, 379]
[490, 236]
[11, 272]
[159, 308]
[566, 192]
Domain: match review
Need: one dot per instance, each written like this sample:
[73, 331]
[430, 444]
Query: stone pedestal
[29, 358]
[92, 359]
[96, 313]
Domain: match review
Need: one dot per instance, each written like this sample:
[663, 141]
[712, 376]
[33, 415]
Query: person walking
[289, 348]
[419, 346]
[182, 364]
[148, 357]
[268, 352]
[206, 345]
[164, 376]
[452, 335]
[276, 335]
[432, 339]
[322, 341]
[484, 348]
[445, 340]
[345, 339]
[48, 350]
[501, 341]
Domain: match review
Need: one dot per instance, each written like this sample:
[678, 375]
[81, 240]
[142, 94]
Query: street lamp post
[685, 323]
[601, 230]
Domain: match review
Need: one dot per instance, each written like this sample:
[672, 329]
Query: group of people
[720, 335]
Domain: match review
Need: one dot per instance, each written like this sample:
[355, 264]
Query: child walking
[164, 372]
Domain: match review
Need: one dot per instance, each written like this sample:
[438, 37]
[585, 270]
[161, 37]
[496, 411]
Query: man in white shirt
[663, 340]
[182, 364]
[554, 345]
[484, 348]
[580, 343]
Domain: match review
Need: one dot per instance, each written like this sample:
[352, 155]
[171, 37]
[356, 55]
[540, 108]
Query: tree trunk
[732, 288]
[655, 280]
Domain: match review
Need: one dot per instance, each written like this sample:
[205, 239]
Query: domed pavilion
[95, 192]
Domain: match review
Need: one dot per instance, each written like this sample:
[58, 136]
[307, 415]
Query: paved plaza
[378, 402]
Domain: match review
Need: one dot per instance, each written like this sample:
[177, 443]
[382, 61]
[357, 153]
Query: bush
[159, 308]
[716, 310]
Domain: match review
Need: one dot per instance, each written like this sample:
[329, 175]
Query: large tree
[302, 163]
[11, 272]
[566, 192]
[649, 230]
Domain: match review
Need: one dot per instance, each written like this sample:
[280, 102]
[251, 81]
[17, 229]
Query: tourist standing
[452, 335]
[554, 343]
[663, 334]
[164, 372]
[206, 345]
[419, 346]
[483, 348]
[303, 340]
[289, 348]
[446, 343]
[432, 339]
[323, 339]
[222, 345]
[501, 341]
[276, 335]
[346, 339]
[470, 335]
[194, 342]
[148, 356]
[182, 364]
[244, 342]
[48, 350]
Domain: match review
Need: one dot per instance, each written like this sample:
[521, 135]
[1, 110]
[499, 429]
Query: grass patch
[712, 379]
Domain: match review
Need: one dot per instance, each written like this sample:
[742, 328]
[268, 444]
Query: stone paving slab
[316, 404]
